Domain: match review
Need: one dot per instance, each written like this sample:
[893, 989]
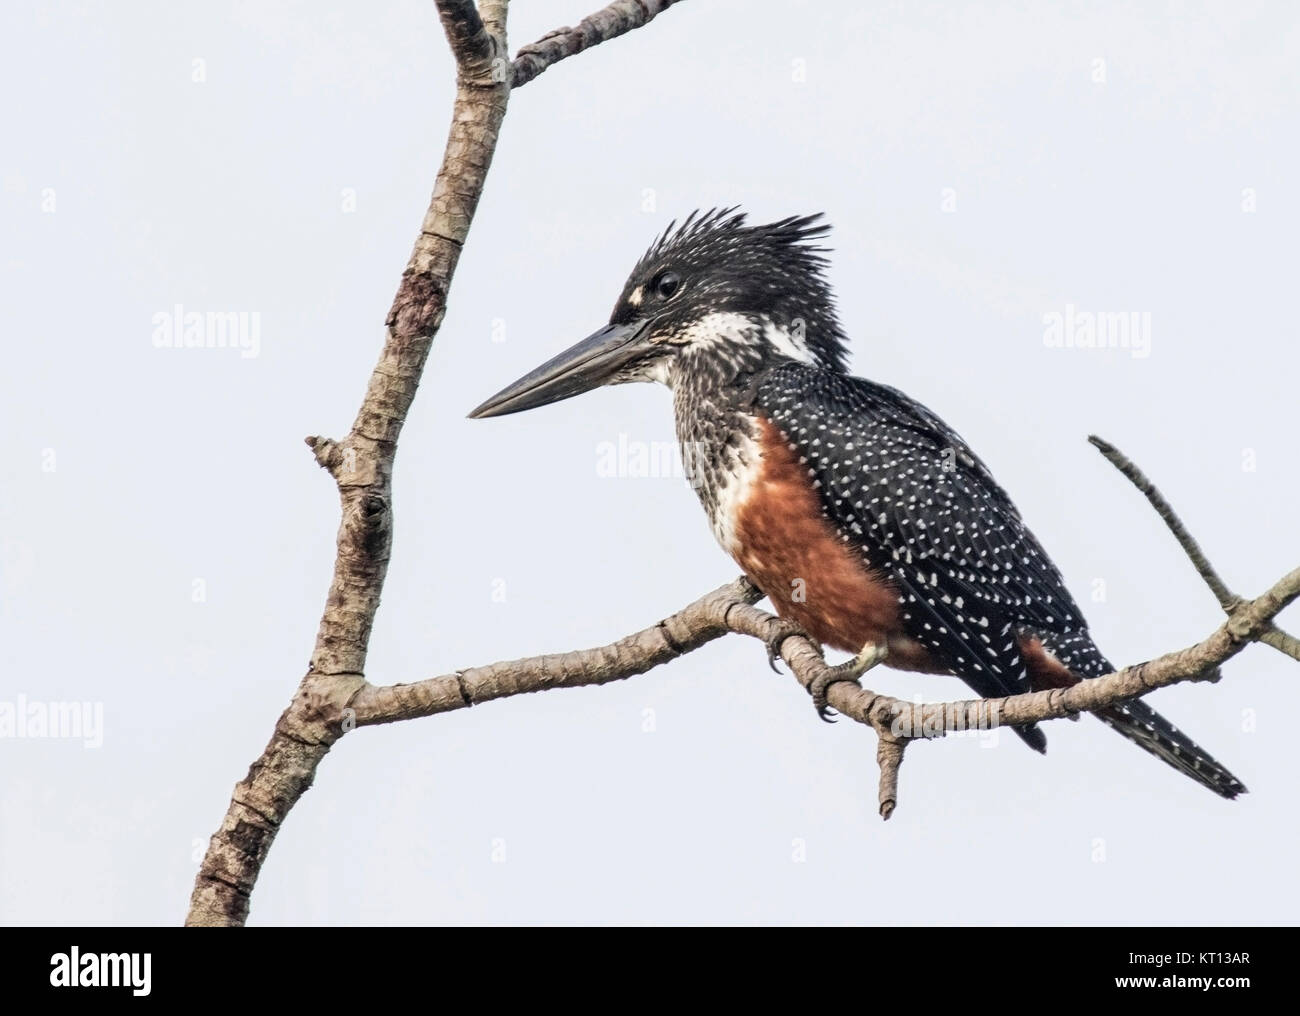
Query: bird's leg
[868, 656]
[782, 629]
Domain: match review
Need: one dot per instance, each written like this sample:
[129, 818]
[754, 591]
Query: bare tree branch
[361, 465]
[1286, 644]
[1228, 600]
[471, 43]
[895, 721]
[607, 23]
[909, 721]
[493, 13]
[681, 633]
[889, 757]
[1226, 597]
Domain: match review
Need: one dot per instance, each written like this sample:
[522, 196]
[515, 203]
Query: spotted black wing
[902, 486]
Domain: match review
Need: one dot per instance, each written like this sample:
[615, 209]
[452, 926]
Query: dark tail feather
[1148, 729]
[1033, 736]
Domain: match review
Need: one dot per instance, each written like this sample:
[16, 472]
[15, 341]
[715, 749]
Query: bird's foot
[783, 629]
[868, 656]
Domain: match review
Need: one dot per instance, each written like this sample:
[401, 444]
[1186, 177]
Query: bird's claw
[870, 655]
[782, 630]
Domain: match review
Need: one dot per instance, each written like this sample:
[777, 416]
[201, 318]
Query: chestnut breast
[812, 576]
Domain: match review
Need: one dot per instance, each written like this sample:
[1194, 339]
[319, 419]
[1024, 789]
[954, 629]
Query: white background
[175, 465]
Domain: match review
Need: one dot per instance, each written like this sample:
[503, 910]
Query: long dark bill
[589, 364]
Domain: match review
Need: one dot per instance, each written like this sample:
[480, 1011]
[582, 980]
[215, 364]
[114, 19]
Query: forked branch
[607, 23]
[896, 722]
[361, 463]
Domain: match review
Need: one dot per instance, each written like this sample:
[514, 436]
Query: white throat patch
[727, 330]
[732, 328]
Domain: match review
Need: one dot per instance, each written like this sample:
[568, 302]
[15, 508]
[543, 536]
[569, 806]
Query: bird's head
[711, 298]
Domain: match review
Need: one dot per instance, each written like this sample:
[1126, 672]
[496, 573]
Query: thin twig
[1228, 600]
[889, 756]
[607, 23]
[1286, 644]
[1226, 597]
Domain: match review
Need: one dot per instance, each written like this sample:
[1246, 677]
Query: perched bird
[862, 516]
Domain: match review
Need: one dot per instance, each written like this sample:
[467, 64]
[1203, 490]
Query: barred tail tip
[1152, 732]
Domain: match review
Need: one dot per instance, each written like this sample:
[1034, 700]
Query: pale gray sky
[984, 167]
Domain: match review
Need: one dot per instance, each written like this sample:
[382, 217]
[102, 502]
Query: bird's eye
[667, 284]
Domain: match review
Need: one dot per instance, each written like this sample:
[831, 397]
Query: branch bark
[685, 631]
[1273, 636]
[896, 722]
[607, 23]
[361, 463]
[471, 43]
[911, 721]
[362, 466]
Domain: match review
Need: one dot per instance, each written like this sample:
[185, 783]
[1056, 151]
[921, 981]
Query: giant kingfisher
[863, 517]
